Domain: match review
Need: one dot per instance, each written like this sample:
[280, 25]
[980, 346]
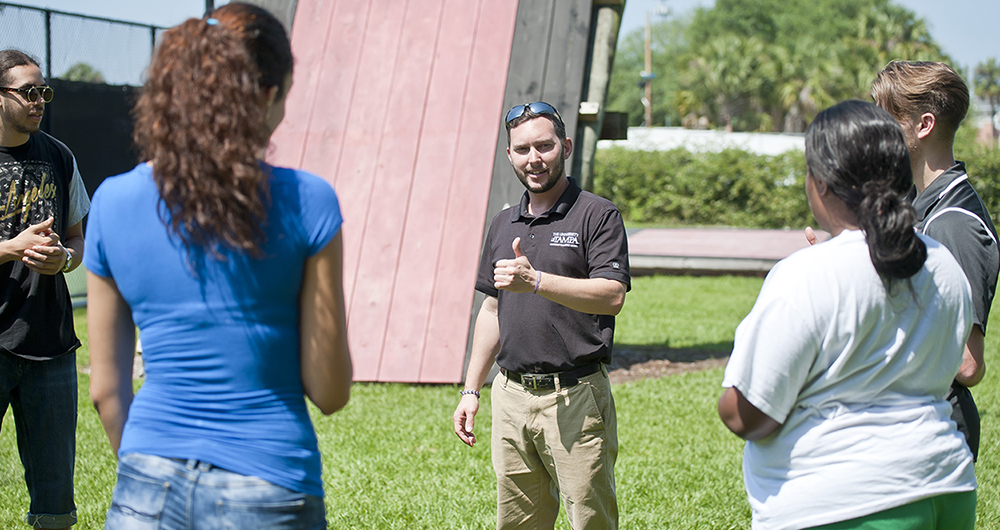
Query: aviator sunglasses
[33, 93]
[538, 107]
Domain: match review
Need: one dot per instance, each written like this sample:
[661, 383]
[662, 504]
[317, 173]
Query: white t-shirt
[857, 377]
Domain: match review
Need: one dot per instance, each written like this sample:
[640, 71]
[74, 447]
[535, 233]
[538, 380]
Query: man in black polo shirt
[930, 100]
[555, 271]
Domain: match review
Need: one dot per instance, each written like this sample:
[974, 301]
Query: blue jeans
[43, 395]
[165, 493]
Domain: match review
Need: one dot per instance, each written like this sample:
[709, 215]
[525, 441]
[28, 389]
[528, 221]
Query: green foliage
[740, 189]
[766, 65]
[983, 165]
[623, 93]
[730, 188]
[83, 72]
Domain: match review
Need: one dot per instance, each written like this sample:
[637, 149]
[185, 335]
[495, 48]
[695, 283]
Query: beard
[18, 122]
[556, 172]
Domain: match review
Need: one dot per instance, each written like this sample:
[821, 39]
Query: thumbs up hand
[515, 275]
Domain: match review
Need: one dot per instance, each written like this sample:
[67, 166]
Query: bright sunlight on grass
[391, 460]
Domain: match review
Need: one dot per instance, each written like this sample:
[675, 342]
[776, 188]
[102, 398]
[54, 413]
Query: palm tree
[728, 73]
[987, 81]
[803, 81]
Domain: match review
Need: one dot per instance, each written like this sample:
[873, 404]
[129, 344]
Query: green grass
[391, 460]
[685, 312]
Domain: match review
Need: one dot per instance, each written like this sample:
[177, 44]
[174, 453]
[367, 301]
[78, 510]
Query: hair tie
[211, 21]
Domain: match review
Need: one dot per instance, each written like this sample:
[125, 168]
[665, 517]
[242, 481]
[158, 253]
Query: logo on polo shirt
[565, 239]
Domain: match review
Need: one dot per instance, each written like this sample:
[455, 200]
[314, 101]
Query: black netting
[78, 47]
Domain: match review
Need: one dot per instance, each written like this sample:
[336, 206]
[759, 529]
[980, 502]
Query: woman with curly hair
[232, 271]
[839, 374]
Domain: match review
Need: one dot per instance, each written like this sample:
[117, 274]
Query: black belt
[566, 379]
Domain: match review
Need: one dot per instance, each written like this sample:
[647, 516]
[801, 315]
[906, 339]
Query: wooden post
[604, 41]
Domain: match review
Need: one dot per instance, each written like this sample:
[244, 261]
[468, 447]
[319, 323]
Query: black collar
[562, 206]
[931, 195]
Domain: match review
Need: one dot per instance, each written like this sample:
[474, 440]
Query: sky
[967, 30]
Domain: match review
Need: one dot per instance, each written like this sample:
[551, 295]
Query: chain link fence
[79, 47]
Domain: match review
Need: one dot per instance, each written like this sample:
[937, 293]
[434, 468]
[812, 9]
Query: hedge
[733, 187]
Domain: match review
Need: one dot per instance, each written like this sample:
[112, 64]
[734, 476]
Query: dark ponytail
[858, 150]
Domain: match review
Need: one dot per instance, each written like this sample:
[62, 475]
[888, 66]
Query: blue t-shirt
[220, 338]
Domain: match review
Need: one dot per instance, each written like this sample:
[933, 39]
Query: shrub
[734, 187]
[729, 188]
[983, 165]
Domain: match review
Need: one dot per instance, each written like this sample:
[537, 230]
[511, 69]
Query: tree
[768, 65]
[83, 72]
[728, 72]
[668, 48]
[987, 84]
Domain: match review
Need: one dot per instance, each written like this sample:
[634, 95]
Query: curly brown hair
[200, 120]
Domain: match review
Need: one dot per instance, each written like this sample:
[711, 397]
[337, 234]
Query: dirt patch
[632, 363]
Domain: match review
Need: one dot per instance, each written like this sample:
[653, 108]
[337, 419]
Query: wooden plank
[567, 58]
[525, 79]
[392, 185]
[327, 41]
[468, 195]
[417, 278]
[401, 108]
[308, 46]
[341, 70]
[358, 171]
[550, 47]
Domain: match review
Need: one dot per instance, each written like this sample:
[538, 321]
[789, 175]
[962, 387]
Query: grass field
[391, 460]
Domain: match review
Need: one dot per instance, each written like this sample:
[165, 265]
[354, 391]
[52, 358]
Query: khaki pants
[555, 444]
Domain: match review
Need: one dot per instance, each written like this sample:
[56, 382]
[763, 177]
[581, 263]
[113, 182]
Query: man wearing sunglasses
[42, 203]
[555, 272]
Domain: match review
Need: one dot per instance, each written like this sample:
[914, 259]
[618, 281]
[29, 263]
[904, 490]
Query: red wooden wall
[398, 104]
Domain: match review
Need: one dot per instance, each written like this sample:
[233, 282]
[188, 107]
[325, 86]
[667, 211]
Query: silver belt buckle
[529, 381]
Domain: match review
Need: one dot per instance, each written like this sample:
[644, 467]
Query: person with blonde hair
[232, 271]
[930, 100]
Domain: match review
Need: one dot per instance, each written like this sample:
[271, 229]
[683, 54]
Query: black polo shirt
[582, 236]
[950, 211]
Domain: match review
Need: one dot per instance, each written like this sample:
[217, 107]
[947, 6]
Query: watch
[69, 260]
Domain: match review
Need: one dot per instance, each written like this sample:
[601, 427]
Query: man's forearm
[485, 345]
[75, 247]
[595, 296]
[973, 367]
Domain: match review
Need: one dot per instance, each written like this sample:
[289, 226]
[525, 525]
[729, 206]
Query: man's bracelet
[473, 392]
[538, 280]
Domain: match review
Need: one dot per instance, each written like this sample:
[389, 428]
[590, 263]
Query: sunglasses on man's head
[538, 107]
[33, 93]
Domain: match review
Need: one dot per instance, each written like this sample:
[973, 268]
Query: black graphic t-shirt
[36, 313]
